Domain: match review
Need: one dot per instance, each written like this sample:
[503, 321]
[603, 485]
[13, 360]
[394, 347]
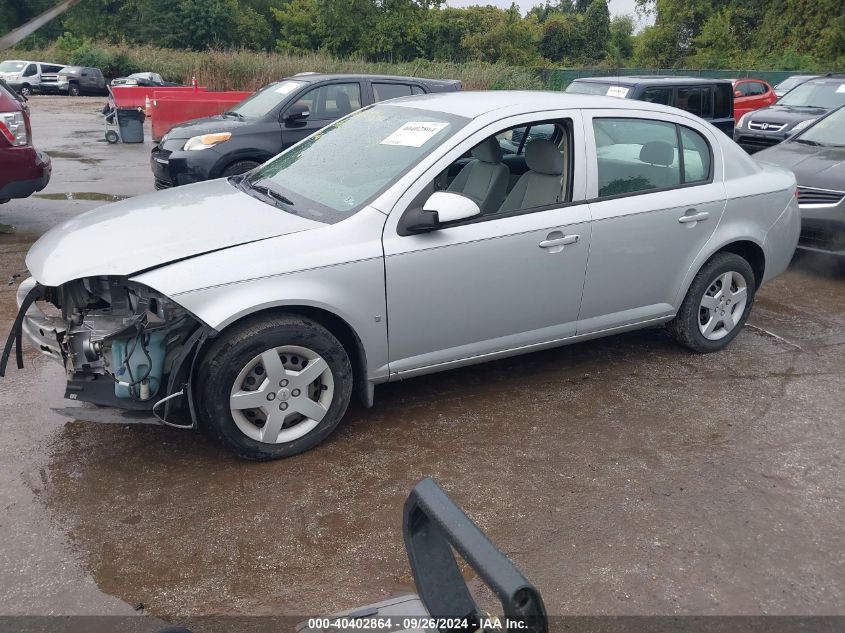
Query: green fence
[559, 78]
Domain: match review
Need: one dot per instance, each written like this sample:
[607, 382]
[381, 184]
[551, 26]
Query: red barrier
[136, 96]
[169, 109]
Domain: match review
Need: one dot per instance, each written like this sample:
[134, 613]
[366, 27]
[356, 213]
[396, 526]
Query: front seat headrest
[657, 153]
[544, 157]
[488, 151]
[342, 102]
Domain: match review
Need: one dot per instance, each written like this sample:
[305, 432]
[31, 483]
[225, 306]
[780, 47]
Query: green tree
[596, 27]
[296, 21]
[543, 12]
[563, 38]
[621, 38]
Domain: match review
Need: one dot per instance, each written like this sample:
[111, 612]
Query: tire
[25, 90]
[112, 137]
[707, 307]
[235, 367]
[239, 167]
[73, 90]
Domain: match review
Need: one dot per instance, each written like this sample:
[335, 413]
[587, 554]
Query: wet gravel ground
[623, 476]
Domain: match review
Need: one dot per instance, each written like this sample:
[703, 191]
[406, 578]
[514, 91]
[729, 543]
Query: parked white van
[27, 77]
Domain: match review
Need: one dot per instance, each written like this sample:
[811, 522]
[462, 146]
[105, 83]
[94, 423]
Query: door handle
[692, 216]
[559, 241]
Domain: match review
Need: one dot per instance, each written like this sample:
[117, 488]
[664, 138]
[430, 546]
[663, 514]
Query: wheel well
[750, 252]
[239, 159]
[341, 329]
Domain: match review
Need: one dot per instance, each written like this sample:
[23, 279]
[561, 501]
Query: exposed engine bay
[122, 344]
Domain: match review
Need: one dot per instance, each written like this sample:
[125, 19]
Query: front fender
[353, 292]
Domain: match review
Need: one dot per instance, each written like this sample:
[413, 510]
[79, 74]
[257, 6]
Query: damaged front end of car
[122, 344]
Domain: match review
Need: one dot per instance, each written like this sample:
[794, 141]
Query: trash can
[131, 122]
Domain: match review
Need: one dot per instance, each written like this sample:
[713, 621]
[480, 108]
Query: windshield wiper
[270, 193]
[807, 141]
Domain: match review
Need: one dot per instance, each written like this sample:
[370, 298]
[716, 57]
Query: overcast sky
[617, 7]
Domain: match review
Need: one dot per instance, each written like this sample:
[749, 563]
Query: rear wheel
[112, 137]
[239, 167]
[274, 387]
[717, 304]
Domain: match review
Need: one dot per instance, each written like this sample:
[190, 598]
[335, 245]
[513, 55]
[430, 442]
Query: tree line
[787, 34]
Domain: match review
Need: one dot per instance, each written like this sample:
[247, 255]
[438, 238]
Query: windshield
[265, 100]
[334, 172]
[11, 67]
[816, 93]
[788, 84]
[829, 131]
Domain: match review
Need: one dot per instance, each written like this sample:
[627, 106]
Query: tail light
[13, 128]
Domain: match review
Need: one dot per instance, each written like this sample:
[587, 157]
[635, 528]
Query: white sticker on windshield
[414, 134]
[287, 87]
[841, 88]
[617, 91]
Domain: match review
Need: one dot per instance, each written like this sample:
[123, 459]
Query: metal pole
[12, 38]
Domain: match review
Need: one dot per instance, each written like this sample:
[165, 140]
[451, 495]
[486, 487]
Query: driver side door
[491, 286]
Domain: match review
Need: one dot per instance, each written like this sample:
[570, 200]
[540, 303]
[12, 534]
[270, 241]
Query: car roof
[632, 80]
[472, 104]
[315, 77]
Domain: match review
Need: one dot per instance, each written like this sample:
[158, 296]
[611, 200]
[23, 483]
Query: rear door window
[657, 95]
[697, 100]
[636, 155]
[639, 155]
[385, 91]
[723, 99]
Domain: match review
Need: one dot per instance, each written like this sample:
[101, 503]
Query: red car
[750, 95]
[23, 169]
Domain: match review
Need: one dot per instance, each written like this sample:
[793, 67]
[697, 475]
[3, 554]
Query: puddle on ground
[88, 160]
[81, 195]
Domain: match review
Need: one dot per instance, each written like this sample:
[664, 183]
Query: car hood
[786, 114]
[155, 229]
[820, 167]
[206, 125]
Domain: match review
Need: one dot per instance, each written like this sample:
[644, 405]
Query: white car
[399, 241]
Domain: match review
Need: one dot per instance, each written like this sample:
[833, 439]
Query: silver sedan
[403, 240]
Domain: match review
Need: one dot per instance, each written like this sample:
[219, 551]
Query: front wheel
[73, 90]
[25, 90]
[717, 304]
[274, 387]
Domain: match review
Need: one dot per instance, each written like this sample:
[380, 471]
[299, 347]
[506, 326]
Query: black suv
[710, 99]
[271, 120]
[793, 112]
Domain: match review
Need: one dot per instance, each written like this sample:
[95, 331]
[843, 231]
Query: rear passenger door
[653, 208]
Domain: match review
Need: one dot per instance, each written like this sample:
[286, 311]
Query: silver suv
[400, 241]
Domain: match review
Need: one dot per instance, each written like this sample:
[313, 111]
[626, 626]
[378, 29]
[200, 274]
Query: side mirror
[737, 93]
[440, 208]
[296, 113]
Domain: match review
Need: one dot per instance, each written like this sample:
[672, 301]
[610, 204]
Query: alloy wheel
[282, 394]
[722, 305]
